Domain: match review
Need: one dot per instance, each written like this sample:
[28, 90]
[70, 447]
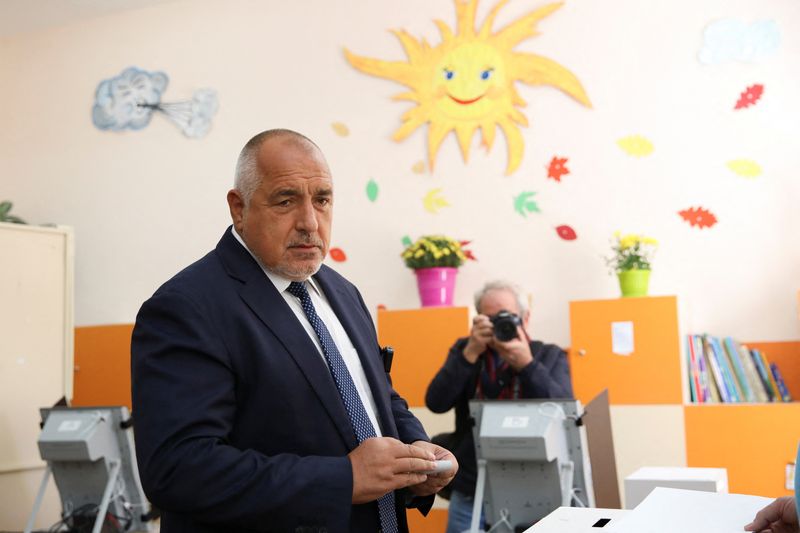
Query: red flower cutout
[750, 96]
[566, 233]
[338, 255]
[699, 217]
[557, 168]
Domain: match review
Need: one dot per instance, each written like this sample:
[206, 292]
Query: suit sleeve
[548, 375]
[184, 408]
[452, 381]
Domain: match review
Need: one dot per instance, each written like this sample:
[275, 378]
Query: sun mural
[467, 81]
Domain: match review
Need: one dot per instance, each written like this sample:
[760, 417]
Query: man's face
[287, 224]
[498, 300]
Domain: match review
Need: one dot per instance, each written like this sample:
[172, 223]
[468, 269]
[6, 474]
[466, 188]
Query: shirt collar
[281, 283]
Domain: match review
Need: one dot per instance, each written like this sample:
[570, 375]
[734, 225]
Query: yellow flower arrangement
[631, 252]
[435, 251]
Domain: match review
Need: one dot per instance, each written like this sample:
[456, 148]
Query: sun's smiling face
[466, 83]
[469, 81]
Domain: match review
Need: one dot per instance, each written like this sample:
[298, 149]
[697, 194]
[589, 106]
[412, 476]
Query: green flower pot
[634, 282]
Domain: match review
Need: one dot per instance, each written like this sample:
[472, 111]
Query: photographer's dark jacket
[455, 385]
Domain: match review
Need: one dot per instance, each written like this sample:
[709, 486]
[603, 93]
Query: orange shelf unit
[435, 522]
[421, 339]
[787, 356]
[754, 442]
[102, 365]
[649, 375]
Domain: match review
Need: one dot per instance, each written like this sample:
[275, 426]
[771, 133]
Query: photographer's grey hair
[500, 285]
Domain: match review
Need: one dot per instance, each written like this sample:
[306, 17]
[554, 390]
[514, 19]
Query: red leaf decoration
[750, 96]
[469, 255]
[698, 217]
[557, 168]
[338, 255]
[566, 233]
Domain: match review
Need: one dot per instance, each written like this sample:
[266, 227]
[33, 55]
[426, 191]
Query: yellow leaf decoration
[636, 145]
[745, 168]
[433, 201]
[419, 167]
[340, 129]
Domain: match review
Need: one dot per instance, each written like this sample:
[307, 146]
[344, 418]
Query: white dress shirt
[339, 335]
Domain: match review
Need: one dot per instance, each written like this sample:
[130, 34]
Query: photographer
[497, 361]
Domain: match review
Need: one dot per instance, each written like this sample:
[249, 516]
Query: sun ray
[486, 29]
[537, 70]
[464, 135]
[465, 13]
[436, 134]
[524, 28]
[444, 30]
[514, 143]
[467, 83]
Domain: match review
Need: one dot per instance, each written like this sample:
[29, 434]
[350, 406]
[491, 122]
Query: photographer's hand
[482, 332]
[516, 352]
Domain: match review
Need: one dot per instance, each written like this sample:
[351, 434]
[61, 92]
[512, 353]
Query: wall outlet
[789, 476]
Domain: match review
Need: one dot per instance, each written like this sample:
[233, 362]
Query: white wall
[144, 204]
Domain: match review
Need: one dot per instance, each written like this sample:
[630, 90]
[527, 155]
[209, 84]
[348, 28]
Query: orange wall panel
[102, 365]
[754, 442]
[435, 522]
[787, 356]
[650, 375]
[421, 339]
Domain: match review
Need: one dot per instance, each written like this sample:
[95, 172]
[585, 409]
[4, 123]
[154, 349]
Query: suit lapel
[269, 306]
[347, 310]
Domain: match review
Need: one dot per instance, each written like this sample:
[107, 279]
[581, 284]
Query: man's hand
[384, 464]
[435, 482]
[779, 517]
[481, 334]
[516, 352]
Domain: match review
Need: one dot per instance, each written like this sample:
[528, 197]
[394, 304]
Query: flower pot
[436, 285]
[634, 282]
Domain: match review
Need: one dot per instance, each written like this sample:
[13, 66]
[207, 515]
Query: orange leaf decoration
[750, 96]
[338, 255]
[699, 217]
[557, 168]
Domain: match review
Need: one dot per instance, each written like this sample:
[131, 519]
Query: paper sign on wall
[622, 338]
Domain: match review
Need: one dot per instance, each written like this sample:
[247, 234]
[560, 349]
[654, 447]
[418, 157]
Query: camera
[505, 325]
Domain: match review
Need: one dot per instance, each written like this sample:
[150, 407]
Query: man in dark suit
[260, 398]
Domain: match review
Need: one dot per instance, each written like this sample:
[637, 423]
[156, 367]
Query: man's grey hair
[248, 178]
[500, 285]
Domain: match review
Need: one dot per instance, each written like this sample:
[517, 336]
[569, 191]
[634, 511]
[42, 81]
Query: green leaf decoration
[524, 204]
[372, 190]
[407, 241]
[5, 207]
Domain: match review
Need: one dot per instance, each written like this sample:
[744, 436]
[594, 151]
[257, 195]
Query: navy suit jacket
[238, 423]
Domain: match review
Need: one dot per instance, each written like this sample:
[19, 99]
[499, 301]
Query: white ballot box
[577, 520]
[642, 482]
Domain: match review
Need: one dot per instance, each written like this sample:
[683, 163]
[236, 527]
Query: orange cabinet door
[421, 339]
[650, 373]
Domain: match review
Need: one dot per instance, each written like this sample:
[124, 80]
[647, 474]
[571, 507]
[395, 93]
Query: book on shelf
[763, 375]
[723, 370]
[784, 392]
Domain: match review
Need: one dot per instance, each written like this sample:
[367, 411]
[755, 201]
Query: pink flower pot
[436, 285]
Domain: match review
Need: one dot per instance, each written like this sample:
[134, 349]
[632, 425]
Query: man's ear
[525, 318]
[236, 205]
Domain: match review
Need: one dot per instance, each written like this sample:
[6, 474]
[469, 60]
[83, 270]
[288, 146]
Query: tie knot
[298, 289]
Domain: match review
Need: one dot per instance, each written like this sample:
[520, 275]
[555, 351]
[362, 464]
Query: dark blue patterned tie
[347, 389]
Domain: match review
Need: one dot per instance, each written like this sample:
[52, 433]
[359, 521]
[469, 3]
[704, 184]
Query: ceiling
[21, 16]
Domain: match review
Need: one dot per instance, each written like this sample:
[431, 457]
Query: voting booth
[532, 459]
[90, 455]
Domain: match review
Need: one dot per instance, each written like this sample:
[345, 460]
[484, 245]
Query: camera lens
[505, 325]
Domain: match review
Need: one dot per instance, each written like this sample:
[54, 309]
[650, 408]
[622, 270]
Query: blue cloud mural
[128, 101]
[731, 39]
